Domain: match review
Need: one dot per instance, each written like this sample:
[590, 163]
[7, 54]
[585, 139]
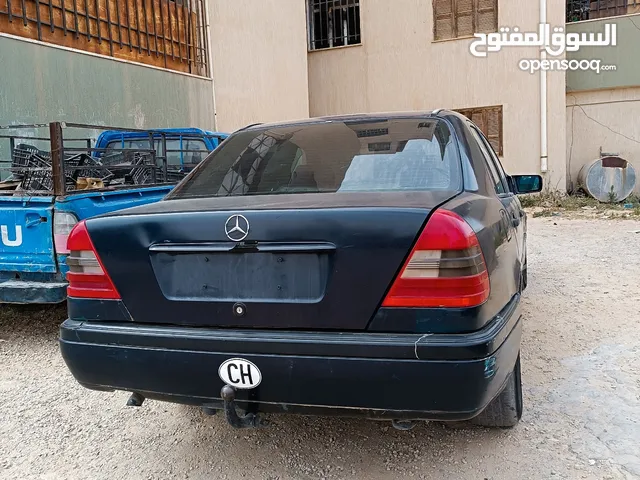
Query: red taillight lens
[446, 267]
[87, 277]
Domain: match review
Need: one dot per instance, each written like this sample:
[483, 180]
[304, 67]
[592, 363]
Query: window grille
[333, 23]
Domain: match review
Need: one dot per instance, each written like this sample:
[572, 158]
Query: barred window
[333, 23]
[463, 18]
[578, 10]
[164, 33]
[489, 121]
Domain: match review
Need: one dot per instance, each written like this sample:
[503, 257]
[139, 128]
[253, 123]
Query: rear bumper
[437, 377]
[24, 291]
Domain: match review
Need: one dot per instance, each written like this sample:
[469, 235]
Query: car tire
[505, 410]
[524, 277]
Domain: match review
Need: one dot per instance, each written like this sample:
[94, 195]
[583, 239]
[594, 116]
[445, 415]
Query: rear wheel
[505, 410]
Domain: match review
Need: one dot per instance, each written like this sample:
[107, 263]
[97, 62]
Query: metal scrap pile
[32, 170]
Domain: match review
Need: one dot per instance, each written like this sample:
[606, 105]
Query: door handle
[34, 219]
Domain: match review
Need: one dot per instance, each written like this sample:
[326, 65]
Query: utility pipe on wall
[209, 40]
[544, 160]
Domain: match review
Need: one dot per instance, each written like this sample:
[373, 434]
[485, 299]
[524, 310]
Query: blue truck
[51, 182]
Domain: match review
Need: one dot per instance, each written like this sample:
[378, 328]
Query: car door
[510, 204]
[512, 207]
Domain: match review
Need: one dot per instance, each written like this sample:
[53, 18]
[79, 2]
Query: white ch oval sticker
[240, 373]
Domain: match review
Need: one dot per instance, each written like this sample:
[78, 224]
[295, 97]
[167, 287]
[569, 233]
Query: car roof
[359, 117]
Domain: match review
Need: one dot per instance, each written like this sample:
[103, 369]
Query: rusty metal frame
[61, 148]
[191, 36]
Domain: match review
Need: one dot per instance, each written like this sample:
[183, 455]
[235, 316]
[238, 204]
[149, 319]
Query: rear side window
[376, 156]
[495, 176]
[192, 151]
[135, 144]
[189, 151]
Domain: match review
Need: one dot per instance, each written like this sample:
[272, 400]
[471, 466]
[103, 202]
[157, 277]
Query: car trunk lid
[324, 265]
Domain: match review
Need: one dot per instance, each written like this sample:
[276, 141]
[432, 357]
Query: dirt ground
[581, 373]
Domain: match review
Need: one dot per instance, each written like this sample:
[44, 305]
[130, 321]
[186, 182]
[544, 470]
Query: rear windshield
[381, 156]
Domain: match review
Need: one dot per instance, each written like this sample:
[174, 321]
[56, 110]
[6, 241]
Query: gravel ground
[581, 373]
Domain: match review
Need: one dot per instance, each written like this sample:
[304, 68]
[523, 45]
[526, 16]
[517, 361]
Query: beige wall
[262, 72]
[259, 59]
[606, 119]
[398, 67]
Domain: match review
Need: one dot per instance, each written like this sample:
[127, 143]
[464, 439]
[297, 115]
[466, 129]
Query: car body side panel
[516, 219]
[495, 234]
[492, 217]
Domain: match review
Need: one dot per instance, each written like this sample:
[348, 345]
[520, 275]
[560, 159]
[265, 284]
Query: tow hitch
[250, 420]
[135, 400]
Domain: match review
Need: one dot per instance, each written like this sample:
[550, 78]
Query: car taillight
[87, 277]
[63, 223]
[446, 267]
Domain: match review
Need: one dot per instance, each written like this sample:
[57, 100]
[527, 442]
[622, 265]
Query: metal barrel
[608, 179]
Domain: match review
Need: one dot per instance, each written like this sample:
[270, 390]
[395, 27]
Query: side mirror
[527, 183]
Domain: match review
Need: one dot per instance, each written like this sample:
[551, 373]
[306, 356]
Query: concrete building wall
[624, 56]
[42, 83]
[399, 67]
[259, 52]
[602, 119]
[603, 109]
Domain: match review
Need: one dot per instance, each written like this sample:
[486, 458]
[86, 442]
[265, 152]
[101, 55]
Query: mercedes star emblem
[236, 228]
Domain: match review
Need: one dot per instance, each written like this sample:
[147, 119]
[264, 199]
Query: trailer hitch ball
[135, 400]
[249, 420]
[403, 425]
[228, 393]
